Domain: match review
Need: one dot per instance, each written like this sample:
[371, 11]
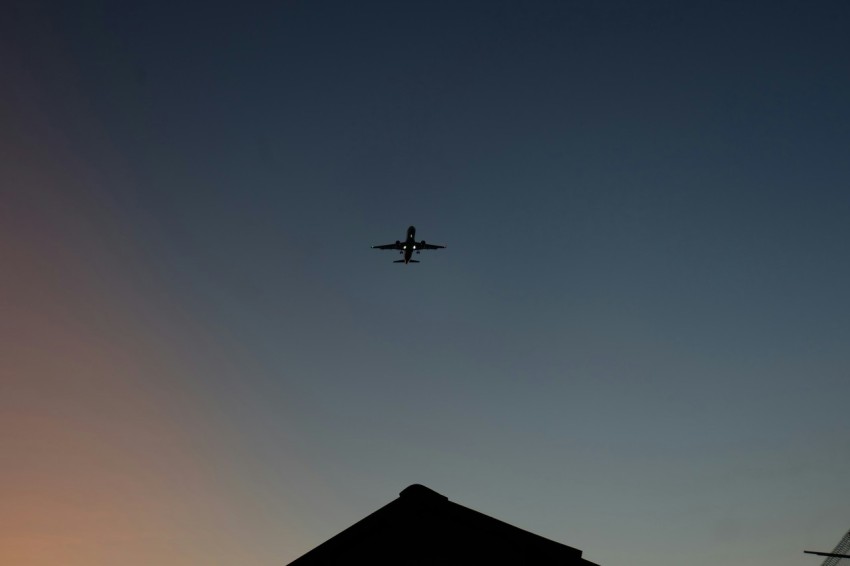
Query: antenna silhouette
[839, 552]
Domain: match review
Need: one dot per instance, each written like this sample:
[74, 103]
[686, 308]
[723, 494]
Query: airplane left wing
[396, 246]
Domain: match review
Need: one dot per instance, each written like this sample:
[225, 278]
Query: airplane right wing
[423, 246]
[395, 246]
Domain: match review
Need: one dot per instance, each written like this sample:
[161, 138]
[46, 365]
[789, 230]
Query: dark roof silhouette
[424, 527]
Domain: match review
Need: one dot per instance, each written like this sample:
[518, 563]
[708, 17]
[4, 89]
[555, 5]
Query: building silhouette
[423, 527]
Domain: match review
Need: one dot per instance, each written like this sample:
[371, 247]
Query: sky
[636, 342]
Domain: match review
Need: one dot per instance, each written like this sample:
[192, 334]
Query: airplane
[408, 246]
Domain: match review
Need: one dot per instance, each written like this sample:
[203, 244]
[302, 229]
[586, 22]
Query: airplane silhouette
[408, 246]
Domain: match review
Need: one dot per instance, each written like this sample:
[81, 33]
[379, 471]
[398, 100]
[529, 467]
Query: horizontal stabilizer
[409, 261]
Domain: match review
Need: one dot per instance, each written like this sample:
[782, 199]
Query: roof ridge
[419, 491]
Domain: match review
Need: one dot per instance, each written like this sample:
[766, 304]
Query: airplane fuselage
[409, 244]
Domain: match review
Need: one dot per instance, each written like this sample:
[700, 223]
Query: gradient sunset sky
[637, 342]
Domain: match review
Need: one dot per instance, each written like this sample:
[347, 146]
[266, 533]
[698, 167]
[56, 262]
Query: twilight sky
[637, 342]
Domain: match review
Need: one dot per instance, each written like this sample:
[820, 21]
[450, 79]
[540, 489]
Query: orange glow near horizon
[105, 455]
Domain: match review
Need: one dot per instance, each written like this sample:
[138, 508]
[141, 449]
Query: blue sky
[636, 342]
